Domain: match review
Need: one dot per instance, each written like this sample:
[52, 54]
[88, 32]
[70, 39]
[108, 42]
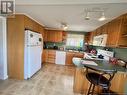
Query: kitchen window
[75, 40]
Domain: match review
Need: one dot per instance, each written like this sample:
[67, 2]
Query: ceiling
[51, 13]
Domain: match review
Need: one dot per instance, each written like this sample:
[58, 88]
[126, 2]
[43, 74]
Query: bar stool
[97, 79]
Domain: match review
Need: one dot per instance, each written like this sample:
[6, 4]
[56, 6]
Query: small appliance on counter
[122, 63]
[45, 46]
[93, 51]
[55, 47]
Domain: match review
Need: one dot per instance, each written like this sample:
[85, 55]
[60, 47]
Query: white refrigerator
[33, 52]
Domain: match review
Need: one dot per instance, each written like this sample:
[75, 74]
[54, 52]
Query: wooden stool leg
[93, 89]
[89, 89]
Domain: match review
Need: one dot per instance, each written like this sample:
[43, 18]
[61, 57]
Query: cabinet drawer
[51, 57]
[80, 55]
[51, 60]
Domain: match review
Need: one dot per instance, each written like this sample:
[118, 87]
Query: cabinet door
[69, 56]
[50, 35]
[44, 56]
[59, 36]
[123, 34]
[54, 35]
[45, 36]
[41, 30]
[113, 33]
[92, 34]
[89, 37]
[98, 31]
[80, 55]
[51, 56]
[105, 29]
[64, 36]
[28, 23]
[118, 83]
[35, 26]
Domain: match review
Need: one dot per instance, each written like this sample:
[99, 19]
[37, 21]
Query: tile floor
[50, 80]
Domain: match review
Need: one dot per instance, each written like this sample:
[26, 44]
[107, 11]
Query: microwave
[100, 40]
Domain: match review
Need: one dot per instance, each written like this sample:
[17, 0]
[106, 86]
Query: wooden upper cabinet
[31, 24]
[64, 36]
[41, 30]
[98, 31]
[45, 35]
[123, 35]
[59, 36]
[105, 29]
[53, 36]
[89, 37]
[116, 31]
[28, 23]
[35, 26]
[113, 33]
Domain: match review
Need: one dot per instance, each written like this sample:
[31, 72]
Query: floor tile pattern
[50, 80]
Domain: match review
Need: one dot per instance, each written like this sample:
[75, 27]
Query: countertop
[102, 66]
[66, 50]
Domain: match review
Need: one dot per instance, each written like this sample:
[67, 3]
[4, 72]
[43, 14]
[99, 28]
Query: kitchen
[67, 37]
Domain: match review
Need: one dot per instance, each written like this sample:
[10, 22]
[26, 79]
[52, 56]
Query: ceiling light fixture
[64, 26]
[87, 16]
[96, 10]
[102, 18]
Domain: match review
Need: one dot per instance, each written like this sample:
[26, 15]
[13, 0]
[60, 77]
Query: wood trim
[15, 47]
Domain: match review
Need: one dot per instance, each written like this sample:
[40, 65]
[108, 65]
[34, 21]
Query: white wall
[3, 49]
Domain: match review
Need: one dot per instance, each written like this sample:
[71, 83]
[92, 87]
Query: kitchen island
[81, 84]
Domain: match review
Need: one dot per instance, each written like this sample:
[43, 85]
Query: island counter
[81, 84]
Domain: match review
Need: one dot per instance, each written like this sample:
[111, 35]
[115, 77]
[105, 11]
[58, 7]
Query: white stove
[106, 54]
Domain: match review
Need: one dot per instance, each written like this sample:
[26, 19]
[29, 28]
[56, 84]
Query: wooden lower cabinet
[80, 55]
[49, 56]
[44, 56]
[119, 82]
[70, 55]
[81, 84]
